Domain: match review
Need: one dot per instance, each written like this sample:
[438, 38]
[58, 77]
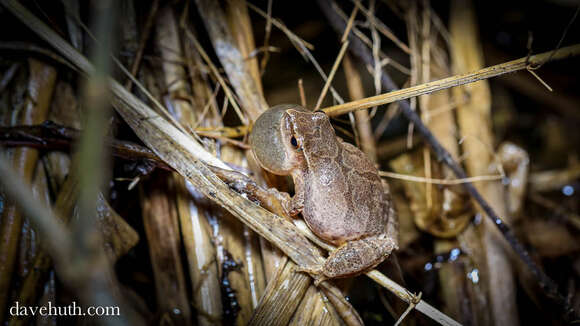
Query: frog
[337, 188]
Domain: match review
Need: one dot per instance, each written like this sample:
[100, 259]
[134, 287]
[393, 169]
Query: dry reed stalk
[315, 311]
[160, 212]
[241, 29]
[34, 110]
[29, 242]
[193, 211]
[161, 227]
[272, 257]
[201, 253]
[515, 164]
[118, 236]
[453, 283]
[474, 118]
[356, 91]
[30, 245]
[248, 281]
[440, 222]
[167, 40]
[286, 283]
[304, 301]
[75, 33]
[231, 58]
[203, 98]
[282, 272]
[553, 179]
[457, 80]
[145, 33]
[34, 281]
[64, 111]
[420, 59]
[306, 308]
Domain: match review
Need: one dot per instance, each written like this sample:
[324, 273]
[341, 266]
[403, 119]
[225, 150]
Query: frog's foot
[316, 272]
[356, 257]
[292, 206]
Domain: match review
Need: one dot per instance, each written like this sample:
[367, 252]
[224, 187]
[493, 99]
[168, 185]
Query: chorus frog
[337, 188]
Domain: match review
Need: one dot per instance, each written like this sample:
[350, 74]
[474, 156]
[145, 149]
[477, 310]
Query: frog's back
[344, 198]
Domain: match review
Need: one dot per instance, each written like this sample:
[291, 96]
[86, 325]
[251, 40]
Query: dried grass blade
[426, 88]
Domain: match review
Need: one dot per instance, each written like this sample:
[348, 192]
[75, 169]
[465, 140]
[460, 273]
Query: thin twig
[143, 42]
[268, 29]
[301, 91]
[396, 94]
[217, 75]
[540, 64]
[439, 181]
[349, 25]
[293, 37]
[381, 27]
[331, 75]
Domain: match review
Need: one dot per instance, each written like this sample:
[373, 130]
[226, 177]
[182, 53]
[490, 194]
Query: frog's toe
[317, 270]
[319, 279]
[317, 273]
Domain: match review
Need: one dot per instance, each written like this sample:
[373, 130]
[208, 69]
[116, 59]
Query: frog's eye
[294, 142]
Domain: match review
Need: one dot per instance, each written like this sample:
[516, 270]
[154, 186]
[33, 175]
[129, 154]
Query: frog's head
[273, 140]
[285, 136]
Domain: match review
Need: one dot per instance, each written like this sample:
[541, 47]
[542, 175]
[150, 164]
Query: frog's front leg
[291, 205]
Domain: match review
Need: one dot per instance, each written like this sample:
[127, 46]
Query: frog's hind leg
[358, 256]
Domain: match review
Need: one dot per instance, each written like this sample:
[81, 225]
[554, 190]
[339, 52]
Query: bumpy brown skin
[338, 189]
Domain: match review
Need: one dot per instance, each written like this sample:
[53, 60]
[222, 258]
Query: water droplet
[473, 275]
[455, 252]
[477, 219]
[568, 190]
